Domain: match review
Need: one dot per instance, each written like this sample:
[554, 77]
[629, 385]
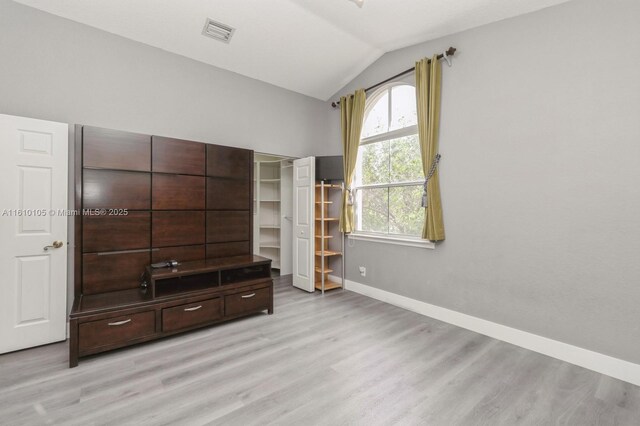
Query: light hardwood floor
[333, 360]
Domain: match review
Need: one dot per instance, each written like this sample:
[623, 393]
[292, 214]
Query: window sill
[409, 242]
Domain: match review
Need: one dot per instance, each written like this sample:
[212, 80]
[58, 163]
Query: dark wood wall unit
[77, 220]
[178, 228]
[226, 162]
[106, 233]
[228, 249]
[184, 253]
[178, 156]
[156, 199]
[111, 189]
[113, 149]
[178, 192]
[112, 272]
[228, 226]
[218, 190]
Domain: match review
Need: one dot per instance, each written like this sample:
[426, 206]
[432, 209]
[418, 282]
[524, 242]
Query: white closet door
[33, 253]
[303, 223]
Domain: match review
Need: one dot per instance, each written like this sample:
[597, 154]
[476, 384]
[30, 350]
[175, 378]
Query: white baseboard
[604, 364]
[335, 279]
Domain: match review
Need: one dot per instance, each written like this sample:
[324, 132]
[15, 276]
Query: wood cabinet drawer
[185, 316]
[113, 331]
[247, 301]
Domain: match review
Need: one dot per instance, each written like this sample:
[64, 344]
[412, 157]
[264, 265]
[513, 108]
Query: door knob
[56, 244]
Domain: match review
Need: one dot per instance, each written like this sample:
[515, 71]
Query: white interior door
[33, 197]
[303, 222]
[286, 221]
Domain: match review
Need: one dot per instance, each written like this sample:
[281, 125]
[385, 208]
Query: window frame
[389, 238]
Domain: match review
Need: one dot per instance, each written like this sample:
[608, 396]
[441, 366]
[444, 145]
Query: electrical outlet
[363, 271]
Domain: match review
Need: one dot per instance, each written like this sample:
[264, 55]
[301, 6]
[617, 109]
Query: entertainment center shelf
[236, 276]
[206, 274]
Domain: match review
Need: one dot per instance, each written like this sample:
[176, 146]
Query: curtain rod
[449, 52]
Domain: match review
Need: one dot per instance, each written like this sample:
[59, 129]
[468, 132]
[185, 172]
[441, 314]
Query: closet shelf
[325, 202]
[270, 226]
[272, 244]
[328, 219]
[329, 185]
[324, 271]
[269, 180]
[326, 236]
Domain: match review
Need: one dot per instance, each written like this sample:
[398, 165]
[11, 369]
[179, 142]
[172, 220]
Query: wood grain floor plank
[337, 359]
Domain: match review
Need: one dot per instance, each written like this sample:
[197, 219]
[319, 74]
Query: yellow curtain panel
[428, 82]
[352, 117]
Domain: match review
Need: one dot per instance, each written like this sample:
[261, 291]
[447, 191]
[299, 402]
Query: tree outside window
[389, 174]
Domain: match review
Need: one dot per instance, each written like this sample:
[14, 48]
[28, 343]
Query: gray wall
[56, 69]
[540, 178]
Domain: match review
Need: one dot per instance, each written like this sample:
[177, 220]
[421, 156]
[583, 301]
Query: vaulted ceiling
[313, 47]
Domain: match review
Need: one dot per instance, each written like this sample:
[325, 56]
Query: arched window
[389, 175]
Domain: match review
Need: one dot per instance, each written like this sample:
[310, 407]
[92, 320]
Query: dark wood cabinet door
[178, 192]
[113, 272]
[228, 226]
[178, 228]
[247, 301]
[190, 315]
[228, 194]
[116, 190]
[181, 254]
[113, 149]
[224, 161]
[178, 156]
[228, 249]
[115, 233]
[115, 331]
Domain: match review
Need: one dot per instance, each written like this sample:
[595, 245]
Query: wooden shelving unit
[327, 250]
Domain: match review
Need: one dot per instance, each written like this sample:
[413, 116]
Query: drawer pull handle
[195, 308]
[247, 296]
[120, 322]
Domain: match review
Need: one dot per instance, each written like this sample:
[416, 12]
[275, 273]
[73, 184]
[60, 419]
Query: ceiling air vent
[217, 30]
